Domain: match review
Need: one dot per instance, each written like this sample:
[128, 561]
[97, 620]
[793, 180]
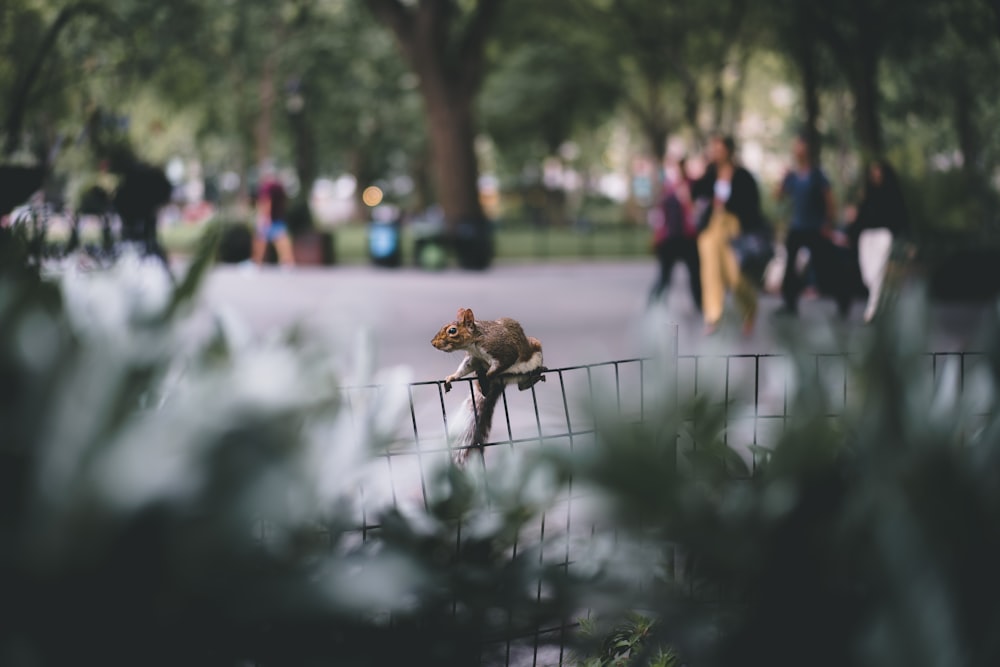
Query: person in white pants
[874, 248]
[880, 219]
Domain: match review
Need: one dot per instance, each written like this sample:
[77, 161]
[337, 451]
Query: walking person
[812, 213]
[675, 237]
[881, 219]
[733, 208]
[272, 204]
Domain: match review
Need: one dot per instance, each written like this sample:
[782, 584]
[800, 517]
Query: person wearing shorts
[272, 206]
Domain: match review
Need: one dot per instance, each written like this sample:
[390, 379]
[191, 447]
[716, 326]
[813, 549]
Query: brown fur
[492, 348]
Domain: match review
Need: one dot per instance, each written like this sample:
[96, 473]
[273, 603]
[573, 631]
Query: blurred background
[183, 485]
[552, 124]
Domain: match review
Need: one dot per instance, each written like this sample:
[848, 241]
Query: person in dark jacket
[142, 190]
[880, 220]
[731, 201]
[675, 237]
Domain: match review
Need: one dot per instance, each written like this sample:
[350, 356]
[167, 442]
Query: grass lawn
[513, 243]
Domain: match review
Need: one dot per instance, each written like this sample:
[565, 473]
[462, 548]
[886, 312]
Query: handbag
[754, 251]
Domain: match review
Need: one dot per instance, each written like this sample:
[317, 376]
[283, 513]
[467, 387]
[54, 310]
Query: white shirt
[723, 189]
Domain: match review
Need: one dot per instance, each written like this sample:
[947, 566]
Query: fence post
[673, 391]
[676, 561]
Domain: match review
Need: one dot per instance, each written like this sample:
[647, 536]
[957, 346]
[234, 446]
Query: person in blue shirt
[812, 213]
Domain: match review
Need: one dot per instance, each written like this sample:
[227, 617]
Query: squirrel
[499, 353]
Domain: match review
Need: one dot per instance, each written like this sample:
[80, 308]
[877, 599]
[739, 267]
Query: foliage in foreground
[868, 539]
[624, 643]
[174, 492]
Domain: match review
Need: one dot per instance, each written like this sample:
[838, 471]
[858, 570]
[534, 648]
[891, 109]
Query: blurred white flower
[107, 303]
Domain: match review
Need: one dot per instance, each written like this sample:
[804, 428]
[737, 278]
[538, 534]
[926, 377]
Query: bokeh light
[372, 196]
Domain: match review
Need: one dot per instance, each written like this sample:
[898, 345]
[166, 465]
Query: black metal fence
[753, 390]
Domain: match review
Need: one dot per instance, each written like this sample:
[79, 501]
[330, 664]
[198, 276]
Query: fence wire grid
[555, 413]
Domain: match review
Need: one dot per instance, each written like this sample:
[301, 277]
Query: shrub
[867, 539]
[172, 499]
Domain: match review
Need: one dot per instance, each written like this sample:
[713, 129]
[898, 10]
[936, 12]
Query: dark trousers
[667, 253]
[828, 262]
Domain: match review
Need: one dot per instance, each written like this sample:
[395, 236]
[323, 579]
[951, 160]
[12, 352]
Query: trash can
[430, 246]
[235, 242]
[385, 246]
[474, 244]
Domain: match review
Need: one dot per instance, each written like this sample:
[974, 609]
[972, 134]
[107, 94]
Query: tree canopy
[391, 88]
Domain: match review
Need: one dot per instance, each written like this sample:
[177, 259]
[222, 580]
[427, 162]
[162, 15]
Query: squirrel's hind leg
[529, 380]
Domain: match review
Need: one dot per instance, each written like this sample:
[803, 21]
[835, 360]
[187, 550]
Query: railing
[556, 414]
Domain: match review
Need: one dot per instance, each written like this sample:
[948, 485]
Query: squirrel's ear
[466, 317]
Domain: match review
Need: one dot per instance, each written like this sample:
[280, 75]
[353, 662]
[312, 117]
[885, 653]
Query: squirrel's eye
[452, 331]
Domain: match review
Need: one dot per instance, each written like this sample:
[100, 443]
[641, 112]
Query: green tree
[31, 37]
[954, 85]
[68, 60]
[556, 83]
[861, 37]
[672, 56]
[358, 98]
[557, 77]
[445, 44]
[795, 28]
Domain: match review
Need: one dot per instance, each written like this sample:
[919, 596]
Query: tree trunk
[692, 103]
[857, 51]
[739, 90]
[450, 63]
[965, 128]
[657, 136]
[447, 52]
[265, 102]
[423, 188]
[868, 126]
[861, 71]
[810, 93]
[305, 148]
[805, 34]
[454, 168]
[718, 103]
[976, 175]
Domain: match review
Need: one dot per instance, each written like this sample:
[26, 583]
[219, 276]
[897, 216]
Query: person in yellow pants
[730, 199]
[720, 272]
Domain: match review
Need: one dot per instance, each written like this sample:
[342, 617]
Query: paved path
[582, 312]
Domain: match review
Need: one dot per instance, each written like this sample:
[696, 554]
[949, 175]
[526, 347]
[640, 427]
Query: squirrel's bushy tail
[479, 409]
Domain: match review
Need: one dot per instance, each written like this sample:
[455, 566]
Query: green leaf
[204, 257]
